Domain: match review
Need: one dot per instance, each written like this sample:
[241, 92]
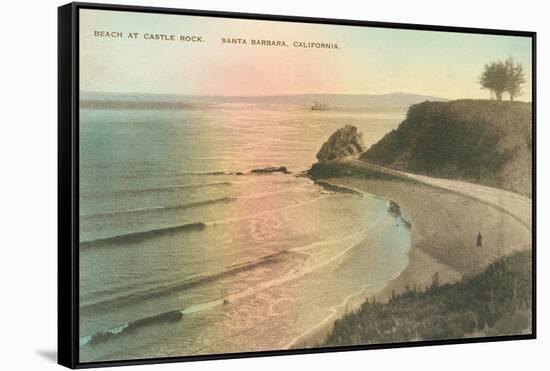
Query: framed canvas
[237, 185]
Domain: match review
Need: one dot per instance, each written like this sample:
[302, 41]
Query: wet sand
[444, 224]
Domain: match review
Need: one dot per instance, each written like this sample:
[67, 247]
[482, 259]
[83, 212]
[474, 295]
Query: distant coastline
[107, 100]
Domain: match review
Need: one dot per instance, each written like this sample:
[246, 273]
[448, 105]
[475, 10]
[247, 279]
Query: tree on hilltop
[516, 78]
[503, 76]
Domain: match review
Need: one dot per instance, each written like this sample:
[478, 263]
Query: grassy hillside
[475, 140]
[494, 302]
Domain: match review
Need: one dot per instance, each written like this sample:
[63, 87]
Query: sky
[368, 60]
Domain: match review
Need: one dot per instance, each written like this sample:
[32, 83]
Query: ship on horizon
[318, 106]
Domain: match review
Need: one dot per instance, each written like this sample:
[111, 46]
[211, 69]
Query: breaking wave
[141, 236]
[190, 205]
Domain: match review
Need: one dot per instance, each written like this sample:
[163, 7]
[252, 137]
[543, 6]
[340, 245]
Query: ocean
[183, 251]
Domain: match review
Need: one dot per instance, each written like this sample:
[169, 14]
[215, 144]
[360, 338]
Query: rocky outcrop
[343, 142]
[271, 170]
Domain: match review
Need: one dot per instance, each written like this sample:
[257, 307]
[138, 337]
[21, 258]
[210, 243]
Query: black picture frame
[68, 181]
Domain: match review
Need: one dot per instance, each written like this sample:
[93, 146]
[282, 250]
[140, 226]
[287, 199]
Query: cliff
[478, 141]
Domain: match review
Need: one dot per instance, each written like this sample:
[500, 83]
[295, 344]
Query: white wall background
[28, 155]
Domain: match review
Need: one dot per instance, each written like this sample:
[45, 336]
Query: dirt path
[514, 204]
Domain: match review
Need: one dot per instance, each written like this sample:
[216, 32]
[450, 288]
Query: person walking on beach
[479, 238]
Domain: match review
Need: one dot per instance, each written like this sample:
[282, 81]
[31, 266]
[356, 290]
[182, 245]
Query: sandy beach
[445, 217]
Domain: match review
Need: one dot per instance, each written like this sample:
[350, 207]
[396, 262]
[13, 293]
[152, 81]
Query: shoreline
[444, 224]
